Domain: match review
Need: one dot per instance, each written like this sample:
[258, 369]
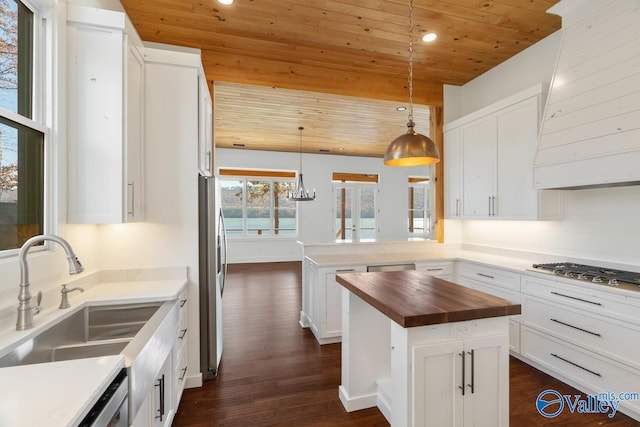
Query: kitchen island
[424, 350]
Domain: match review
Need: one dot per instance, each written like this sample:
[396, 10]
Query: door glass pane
[367, 213]
[284, 210]
[344, 218]
[231, 191]
[258, 207]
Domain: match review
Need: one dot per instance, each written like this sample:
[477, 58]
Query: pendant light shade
[411, 148]
[299, 193]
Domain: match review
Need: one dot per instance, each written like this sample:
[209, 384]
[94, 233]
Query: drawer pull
[576, 365]
[575, 298]
[182, 303]
[575, 327]
[182, 334]
[184, 373]
[462, 387]
[435, 269]
[485, 275]
[472, 385]
[347, 270]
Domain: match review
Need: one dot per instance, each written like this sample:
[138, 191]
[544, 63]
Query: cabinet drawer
[584, 297]
[493, 276]
[591, 372]
[606, 336]
[435, 269]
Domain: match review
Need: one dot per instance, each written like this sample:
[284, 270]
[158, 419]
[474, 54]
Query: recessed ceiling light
[225, 2]
[401, 108]
[429, 37]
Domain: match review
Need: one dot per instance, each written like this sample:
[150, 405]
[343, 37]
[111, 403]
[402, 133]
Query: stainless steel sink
[93, 331]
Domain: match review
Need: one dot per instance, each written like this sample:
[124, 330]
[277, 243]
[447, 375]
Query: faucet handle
[64, 302]
[38, 307]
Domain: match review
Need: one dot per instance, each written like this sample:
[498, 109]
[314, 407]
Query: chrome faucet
[64, 303]
[25, 311]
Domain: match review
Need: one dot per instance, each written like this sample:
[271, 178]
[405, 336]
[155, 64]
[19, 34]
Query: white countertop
[60, 393]
[54, 394]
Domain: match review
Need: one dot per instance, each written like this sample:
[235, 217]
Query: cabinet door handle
[462, 387]
[493, 205]
[575, 327]
[489, 205]
[160, 385]
[485, 275]
[473, 364]
[457, 207]
[575, 298]
[576, 365]
[132, 208]
[182, 334]
[182, 303]
[208, 162]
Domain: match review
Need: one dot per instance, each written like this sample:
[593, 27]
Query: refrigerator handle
[223, 234]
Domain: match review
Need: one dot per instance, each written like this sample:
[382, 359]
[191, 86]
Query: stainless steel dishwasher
[391, 267]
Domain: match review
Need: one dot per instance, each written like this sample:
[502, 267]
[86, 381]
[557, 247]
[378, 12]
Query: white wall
[315, 218]
[598, 224]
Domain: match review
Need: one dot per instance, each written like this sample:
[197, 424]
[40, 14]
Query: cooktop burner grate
[590, 273]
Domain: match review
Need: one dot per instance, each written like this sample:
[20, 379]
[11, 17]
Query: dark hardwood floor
[274, 373]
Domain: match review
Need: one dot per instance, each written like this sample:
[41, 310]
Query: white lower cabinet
[161, 403]
[498, 282]
[443, 270]
[584, 336]
[461, 383]
[326, 320]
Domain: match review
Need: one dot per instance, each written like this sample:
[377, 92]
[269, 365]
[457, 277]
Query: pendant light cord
[300, 128]
[410, 60]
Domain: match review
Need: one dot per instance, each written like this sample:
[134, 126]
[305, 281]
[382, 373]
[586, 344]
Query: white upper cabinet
[452, 174]
[105, 117]
[205, 131]
[491, 153]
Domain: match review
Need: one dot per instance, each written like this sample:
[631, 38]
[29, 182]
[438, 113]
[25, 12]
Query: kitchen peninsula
[420, 347]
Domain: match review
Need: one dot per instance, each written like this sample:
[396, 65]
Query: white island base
[447, 374]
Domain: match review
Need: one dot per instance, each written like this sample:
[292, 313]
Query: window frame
[256, 176]
[42, 111]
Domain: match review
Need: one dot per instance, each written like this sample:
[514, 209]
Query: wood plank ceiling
[260, 53]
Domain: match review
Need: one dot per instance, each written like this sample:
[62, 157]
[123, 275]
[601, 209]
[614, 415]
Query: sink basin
[143, 333]
[93, 331]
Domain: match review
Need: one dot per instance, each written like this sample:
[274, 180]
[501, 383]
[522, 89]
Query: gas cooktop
[590, 273]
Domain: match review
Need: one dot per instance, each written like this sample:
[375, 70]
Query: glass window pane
[21, 184]
[258, 207]
[284, 210]
[16, 57]
[231, 195]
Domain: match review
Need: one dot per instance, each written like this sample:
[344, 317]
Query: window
[22, 136]
[355, 206]
[254, 203]
[420, 219]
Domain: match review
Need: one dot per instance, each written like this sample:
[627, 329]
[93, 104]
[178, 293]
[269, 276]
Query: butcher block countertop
[412, 298]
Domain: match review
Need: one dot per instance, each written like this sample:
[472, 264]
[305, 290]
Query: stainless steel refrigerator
[213, 269]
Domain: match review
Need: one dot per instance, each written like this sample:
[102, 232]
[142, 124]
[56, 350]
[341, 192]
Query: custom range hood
[590, 134]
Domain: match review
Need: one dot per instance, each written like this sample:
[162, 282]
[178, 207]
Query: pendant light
[299, 194]
[411, 148]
